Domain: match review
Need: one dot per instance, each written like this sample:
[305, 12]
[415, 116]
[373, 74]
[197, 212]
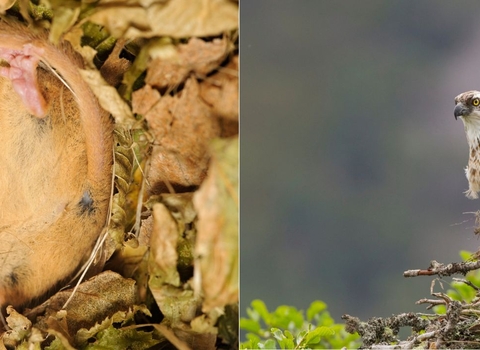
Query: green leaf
[287, 344]
[277, 334]
[344, 339]
[253, 339]
[465, 255]
[290, 330]
[440, 309]
[465, 292]
[260, 307]
[113, 338]
[288, 334]
[301, 337]
[251, 343]
[315, 308]
[325, 319]
[287, 316]
[248, 345]
[268, 344]
[317, 334]
[254, 315]
[249, 325]
[284, 339]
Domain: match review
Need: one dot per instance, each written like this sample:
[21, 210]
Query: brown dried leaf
[17, 322]
[146, 229]
[64, 18]
[83, 334]
[144, 100]
[115, 66]
[96, 299]
[220, 91]
[182, 126]
[196, 56]
[58, 324]
[108, 97]
[196, 340]
[60, 338]
[177, 305]
[206, 323]
[128, 22]
[184, 18]
[20, 328]
[175, 18]
[163, 247]
[181, 208]
[154, 48]
[21, 333]
[171, 337]
[216, 202]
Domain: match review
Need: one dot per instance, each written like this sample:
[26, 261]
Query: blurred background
[351, 159]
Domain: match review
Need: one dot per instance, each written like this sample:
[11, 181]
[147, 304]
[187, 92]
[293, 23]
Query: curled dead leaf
[196, 56]
[172, 338]
[175, 18]
[163, 247]
[220, 91]
[177, 302]
[20, 328]
[182, 126]
[108, 97]
[115, 66]
[64, 18]
[216, 202]
[83, 335]
[196, 340]
[178, 305]
[96, 299]
[145, 99]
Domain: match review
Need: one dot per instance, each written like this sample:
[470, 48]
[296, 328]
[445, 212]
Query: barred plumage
[467, 108]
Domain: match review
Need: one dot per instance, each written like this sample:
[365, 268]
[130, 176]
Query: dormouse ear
[23, 74]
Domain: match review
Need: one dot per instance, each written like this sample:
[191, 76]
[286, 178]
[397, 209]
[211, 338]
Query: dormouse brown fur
[55, 165]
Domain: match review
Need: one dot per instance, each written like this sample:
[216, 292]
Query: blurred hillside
[351, 160]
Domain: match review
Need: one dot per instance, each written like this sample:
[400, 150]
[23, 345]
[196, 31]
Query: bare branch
[440, 269]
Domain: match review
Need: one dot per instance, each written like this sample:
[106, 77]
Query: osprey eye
[476, 102]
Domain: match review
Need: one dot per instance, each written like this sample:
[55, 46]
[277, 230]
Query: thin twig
[444, 270]
[461, 280]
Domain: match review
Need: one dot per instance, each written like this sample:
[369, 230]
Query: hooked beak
[460, 110]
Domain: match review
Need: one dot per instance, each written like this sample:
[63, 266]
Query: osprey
[467, 108]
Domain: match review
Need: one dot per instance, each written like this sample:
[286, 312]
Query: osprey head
[467, 106]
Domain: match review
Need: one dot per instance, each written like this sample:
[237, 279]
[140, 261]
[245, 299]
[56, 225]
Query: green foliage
[287, 328]
[461, 291]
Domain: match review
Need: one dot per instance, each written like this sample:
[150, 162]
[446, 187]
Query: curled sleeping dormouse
[56, 165]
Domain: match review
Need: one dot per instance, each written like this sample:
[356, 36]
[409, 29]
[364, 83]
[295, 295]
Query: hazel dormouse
[55, 165]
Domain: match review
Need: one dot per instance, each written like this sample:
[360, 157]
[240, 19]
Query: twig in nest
[432, 302]
[458, 327]
[383, 330]
[477, 222]
[468, 283]
[440, 269]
